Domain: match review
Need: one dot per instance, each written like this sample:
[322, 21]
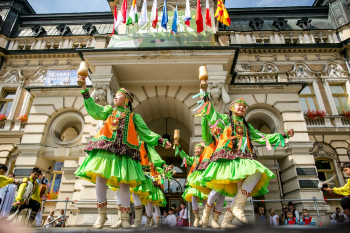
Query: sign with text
[63, 78]
[147, 36]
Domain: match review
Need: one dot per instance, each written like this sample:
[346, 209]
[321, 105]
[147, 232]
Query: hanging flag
[164, 22]
[221, 14]
[207, 15]
[143, 16]
[154, 14]
[199, 18]
[122, 14]
[188, 13]
[175, 22]
[132, 19]
[115, 27]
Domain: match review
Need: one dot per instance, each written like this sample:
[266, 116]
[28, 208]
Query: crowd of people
[291, 216]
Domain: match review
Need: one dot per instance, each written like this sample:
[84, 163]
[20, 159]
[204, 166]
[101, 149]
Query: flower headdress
[129, 96]
[240, 100]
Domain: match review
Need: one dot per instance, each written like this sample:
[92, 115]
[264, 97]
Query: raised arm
[21, 190]
[183, 155]
[5, 181]
[214, 116]
[262, 138]
[146, 135]
[95, 111]
[154, 156]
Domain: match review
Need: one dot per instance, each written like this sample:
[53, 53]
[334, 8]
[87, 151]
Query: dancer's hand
[82, 78]
[176, 143]
[167, 145]
[290, 132]
[329, 190]
[17, 182]
[18, 203]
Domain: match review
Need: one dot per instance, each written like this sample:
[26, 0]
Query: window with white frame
[307, 99]
[6, 101]
[340, 97]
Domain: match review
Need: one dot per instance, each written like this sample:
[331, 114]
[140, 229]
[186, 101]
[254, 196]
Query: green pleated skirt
[195, 181]
[223, 175]
[192, 192]
[115, 168]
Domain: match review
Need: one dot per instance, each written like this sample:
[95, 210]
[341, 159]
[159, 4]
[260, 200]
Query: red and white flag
[207, 15]
[115, 26]
[199, 17]
[154, 14]
[122, 14]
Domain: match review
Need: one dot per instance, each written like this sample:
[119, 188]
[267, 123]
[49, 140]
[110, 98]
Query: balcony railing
[315, 122]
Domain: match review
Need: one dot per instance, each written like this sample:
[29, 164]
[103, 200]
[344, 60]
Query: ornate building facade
[283, 61]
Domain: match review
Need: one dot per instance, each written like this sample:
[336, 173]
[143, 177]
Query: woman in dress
[113, 154]
[234, 170]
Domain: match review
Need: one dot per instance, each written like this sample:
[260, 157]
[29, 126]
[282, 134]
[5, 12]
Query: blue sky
[68, 6]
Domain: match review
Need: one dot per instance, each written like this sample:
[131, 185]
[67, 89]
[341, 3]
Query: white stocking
[220, 202]
[149, 209]
[101, 191]
[194, 203]
[136, 198]
[213, 195]
[251, 181]
[117, 195]
[239, 186]
[124, 195]
[204, 203]
[157, 210]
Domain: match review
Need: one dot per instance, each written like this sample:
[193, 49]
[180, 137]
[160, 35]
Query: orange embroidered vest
[129, 134]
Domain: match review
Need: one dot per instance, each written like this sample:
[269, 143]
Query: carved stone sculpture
[218, 96]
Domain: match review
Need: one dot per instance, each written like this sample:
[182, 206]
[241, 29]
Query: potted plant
[314, 114]
[23, 118]
[52, 195]
[345, 114]
[3, 117]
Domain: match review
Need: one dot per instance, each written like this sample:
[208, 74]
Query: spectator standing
[274, 220]
[62, 220]
[182, 218]
[49, 219]
[284, 215]
[293, 210]
[171, 218]
[306, 219]
[338, 217]
[290, 220]
[144, 219]
[260, 218]
[165, 214]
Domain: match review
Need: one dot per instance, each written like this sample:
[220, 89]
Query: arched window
[326, 171]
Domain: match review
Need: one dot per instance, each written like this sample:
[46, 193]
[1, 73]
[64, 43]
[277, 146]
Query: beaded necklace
[118, 114]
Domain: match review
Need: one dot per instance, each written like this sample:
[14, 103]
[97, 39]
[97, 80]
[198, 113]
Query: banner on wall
[147, 36]
[63, 78]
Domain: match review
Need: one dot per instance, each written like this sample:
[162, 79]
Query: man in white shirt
[171, 218]
[293, 210]
[338, 217]
[144, 219]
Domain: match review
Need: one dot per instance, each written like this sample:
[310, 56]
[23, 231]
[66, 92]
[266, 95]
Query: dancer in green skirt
[113, 154]
[234, 169]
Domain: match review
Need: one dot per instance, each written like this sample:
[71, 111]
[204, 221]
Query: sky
[69, 6]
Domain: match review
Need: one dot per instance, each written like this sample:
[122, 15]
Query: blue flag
[175, 22]
[165, 16]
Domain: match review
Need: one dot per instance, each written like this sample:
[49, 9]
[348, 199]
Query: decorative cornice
[40, 56]
[289, 50]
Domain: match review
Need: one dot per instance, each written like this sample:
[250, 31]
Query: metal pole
[64, 214]
[252, 202]
[318, 213]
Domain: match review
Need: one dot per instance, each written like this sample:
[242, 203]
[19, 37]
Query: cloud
[69, 6]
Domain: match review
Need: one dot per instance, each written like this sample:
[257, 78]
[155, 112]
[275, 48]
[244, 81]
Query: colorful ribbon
[280, 141]
[199, 104]
[268, 145]
[184, 162]
[216, 123]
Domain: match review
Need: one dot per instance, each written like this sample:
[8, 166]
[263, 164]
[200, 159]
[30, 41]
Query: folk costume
[345, 191]
[307, 221]
[29, 196]
[234, 161]
[113, 154]
[191, 194]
